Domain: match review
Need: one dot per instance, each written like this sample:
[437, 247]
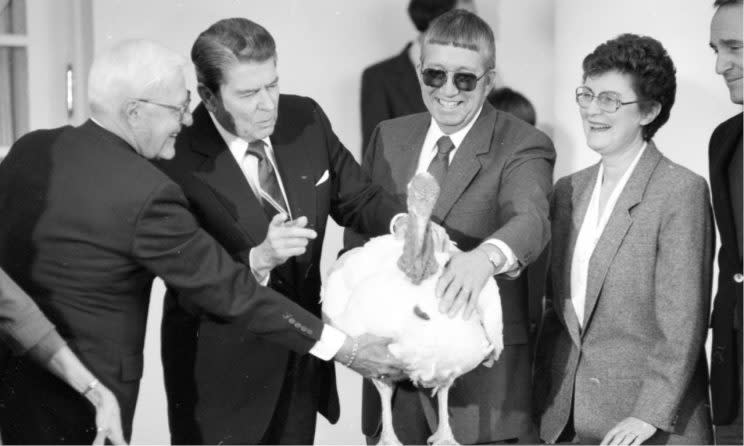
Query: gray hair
[130, 69]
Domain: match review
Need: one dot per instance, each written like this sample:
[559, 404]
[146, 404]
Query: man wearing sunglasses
[496, 175]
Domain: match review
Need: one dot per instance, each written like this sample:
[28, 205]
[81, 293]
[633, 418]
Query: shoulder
[566, 185]
[733, 124]
[676, 180]
[511, 131]
[383, 68]
[406, 122]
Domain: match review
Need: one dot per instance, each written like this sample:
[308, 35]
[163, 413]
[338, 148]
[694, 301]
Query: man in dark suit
[495, 173]
[725, 154]
[390, 88]
[252, 159]
[88, 223]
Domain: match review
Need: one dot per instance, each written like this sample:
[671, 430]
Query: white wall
[323, 46]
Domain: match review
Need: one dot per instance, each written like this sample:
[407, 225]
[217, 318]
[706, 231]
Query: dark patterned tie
[271, 195]
[440, 163]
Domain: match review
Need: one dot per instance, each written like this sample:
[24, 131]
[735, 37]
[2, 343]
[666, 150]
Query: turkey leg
[387, 436]
[443, 434]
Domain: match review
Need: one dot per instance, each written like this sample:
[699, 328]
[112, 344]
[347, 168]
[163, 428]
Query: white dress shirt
[429, 151]
[331, 339]
[589, 234]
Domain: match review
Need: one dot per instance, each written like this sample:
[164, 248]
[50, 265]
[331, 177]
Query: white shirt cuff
[331, 341]
[511, 264]
[394, 220]
[262, 280]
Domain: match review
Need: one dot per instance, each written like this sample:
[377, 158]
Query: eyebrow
[253, 90]
[726, 42]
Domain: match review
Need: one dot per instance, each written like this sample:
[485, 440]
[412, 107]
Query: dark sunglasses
[463, 81]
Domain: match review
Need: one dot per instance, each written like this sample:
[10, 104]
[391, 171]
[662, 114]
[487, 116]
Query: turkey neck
[418, 261]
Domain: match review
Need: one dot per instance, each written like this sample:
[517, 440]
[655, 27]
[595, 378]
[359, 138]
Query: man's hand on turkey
[462, 280]
[372, 358]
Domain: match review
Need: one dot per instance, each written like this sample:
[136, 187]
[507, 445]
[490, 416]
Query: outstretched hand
[284, 239]
[372, 359]
[462, 281]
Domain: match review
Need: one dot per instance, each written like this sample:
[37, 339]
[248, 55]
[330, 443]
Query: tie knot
[444, 146]
[257, 148]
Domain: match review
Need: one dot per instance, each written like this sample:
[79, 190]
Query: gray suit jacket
[640, 352]
[498, 186]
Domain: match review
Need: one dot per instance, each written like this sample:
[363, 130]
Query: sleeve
[22, 324]
[682, 302]
[523, 199]
[169, 242]
[374, 106]
[356, 202]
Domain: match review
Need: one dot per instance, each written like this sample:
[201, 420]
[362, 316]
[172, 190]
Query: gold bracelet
[91, 385]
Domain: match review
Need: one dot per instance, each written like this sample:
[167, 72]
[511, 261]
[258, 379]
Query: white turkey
[387, 288]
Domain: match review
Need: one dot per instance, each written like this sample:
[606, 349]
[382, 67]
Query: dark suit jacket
[640, 352]
[725, 376]
[389, 89]
[497, 186]
[228, 376]
[87, 224]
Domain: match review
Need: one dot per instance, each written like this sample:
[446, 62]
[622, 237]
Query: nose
[449, 88]
[266, 100]
[187, 119]
[723, 62]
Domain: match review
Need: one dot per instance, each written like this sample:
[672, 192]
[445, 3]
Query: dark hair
[422, 12]
[463, 29]
[648, 64]
[719, 3]
[227, 42]
[513, 102]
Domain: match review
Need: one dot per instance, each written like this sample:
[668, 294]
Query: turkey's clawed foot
[442, 437]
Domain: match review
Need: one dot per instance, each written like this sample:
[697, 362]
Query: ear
[208, 98]
[650, 114]
[132, 111]
[495, 79]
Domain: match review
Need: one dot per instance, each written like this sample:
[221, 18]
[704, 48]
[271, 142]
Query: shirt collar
[236, 144]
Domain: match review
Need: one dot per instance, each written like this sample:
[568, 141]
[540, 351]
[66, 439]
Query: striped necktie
[270, 193]
[439, 165]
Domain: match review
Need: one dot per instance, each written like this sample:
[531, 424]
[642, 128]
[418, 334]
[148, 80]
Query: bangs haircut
[463, 29]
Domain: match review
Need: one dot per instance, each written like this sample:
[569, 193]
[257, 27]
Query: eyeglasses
[607, 101]
[180, 109]
[463, 81]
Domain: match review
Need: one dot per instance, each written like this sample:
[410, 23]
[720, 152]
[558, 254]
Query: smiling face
[614, 133]
[726, 41]
[154, 127]
[247, 105]
[451, 108]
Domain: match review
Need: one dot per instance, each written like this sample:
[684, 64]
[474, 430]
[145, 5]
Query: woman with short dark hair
[620, 356]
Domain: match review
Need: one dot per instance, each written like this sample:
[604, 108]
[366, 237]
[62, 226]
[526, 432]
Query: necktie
[271, 195]
[440, 163]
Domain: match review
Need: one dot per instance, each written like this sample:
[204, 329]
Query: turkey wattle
[387, 288]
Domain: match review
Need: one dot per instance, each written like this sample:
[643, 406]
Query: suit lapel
[617, 226]
[581, 194]
[408, 152]
[465, 164]
[220, 171]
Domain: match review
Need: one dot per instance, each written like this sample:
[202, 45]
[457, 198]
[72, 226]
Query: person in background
[725, 156]
[495, 173]
[390, 88]
[89, 222]
[25, 329]
[620, 357]
[513, 102]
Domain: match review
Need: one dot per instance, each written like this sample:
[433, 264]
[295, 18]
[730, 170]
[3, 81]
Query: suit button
[291, 320]
[738, 277]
